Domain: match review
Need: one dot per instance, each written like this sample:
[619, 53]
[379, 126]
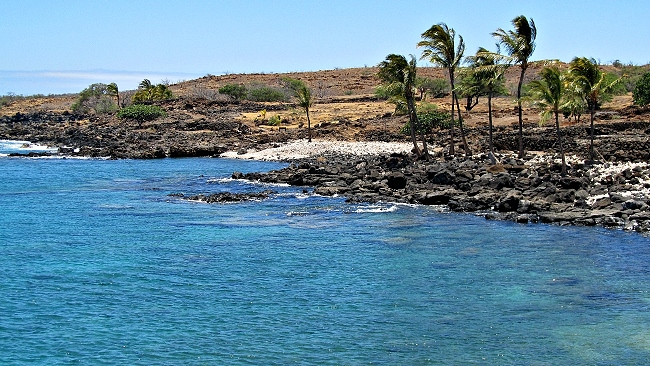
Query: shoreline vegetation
[391, 133]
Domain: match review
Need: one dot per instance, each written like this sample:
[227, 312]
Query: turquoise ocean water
[100, 266]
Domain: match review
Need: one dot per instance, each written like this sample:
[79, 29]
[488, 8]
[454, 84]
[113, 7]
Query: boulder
[633, 205]
[437, 197]
[396, 180]
[509, 203]
[443, 177]
[502, 180]
[556, 217]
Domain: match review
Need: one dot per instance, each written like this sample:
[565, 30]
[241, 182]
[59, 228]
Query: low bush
[234, 91]
[141, 112]
[641, 94]
[274, 121]
[267, 94]
[429, 119]
[384, 92]
[94, 98]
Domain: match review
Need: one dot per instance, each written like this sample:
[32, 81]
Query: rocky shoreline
[532, 190]
[192, 129]
[225, 197]
[613, 192]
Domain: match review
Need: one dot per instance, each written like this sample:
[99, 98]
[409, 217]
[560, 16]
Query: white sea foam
[376, 209]
[19, 145]
[222, 180]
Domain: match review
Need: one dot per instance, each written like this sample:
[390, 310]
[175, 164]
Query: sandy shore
[302, 149]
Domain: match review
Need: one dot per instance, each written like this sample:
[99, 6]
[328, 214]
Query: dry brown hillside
[341, 94]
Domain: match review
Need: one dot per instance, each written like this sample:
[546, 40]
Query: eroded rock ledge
[526, 191]
[225, 197]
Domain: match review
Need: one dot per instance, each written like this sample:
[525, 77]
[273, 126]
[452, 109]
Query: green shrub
[105, 105]
[436, 88]
[274, 121]
[9, 98]
[266, 94]
[429, 119]
[632, 74]
[234, 91]
[94, 97]
[641, 94]
[385, 92]
[618, 88]
[434, 119]
[141, 112]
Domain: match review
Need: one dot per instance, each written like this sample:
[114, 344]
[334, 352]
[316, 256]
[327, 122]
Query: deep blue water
[100, 266]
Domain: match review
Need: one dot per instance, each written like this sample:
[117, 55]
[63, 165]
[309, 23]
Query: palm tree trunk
[592, 112]
[415, 125]
[490, 126]
[451, 129]
[416, 149]
[414, 139]
[521, 118]
[468, 152]
[559, 140]
[308, 124]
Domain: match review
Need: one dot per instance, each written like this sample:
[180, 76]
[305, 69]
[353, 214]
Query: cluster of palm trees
[149, 92]
[583, 85]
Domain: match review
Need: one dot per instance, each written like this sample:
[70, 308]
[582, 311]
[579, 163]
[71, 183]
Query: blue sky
[63, 46]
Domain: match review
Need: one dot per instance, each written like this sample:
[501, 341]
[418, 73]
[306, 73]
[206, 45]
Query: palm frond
[548, 92]
[145, 84]
[439, 43]
[112, 89]
[520, 43]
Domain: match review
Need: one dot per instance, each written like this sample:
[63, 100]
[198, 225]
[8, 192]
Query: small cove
[101, 265]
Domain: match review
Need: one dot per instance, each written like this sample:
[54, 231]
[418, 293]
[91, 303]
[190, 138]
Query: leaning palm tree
[440, 48]
[303, 96]
[145, 84]
[520, 45]
[490, 72]
[547, 93]
[113, 91]
[399, 76]
[590, 82]
[305, 99]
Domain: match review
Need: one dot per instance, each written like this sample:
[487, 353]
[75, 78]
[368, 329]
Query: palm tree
[439, 42]
[305, 99]
[486, 68]
[400, 75]
[520, 45]
[590, 82]
[145, 84]
[574, 105]
[149, 92]
[548, 94]
[113, 91]
[160, 92]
